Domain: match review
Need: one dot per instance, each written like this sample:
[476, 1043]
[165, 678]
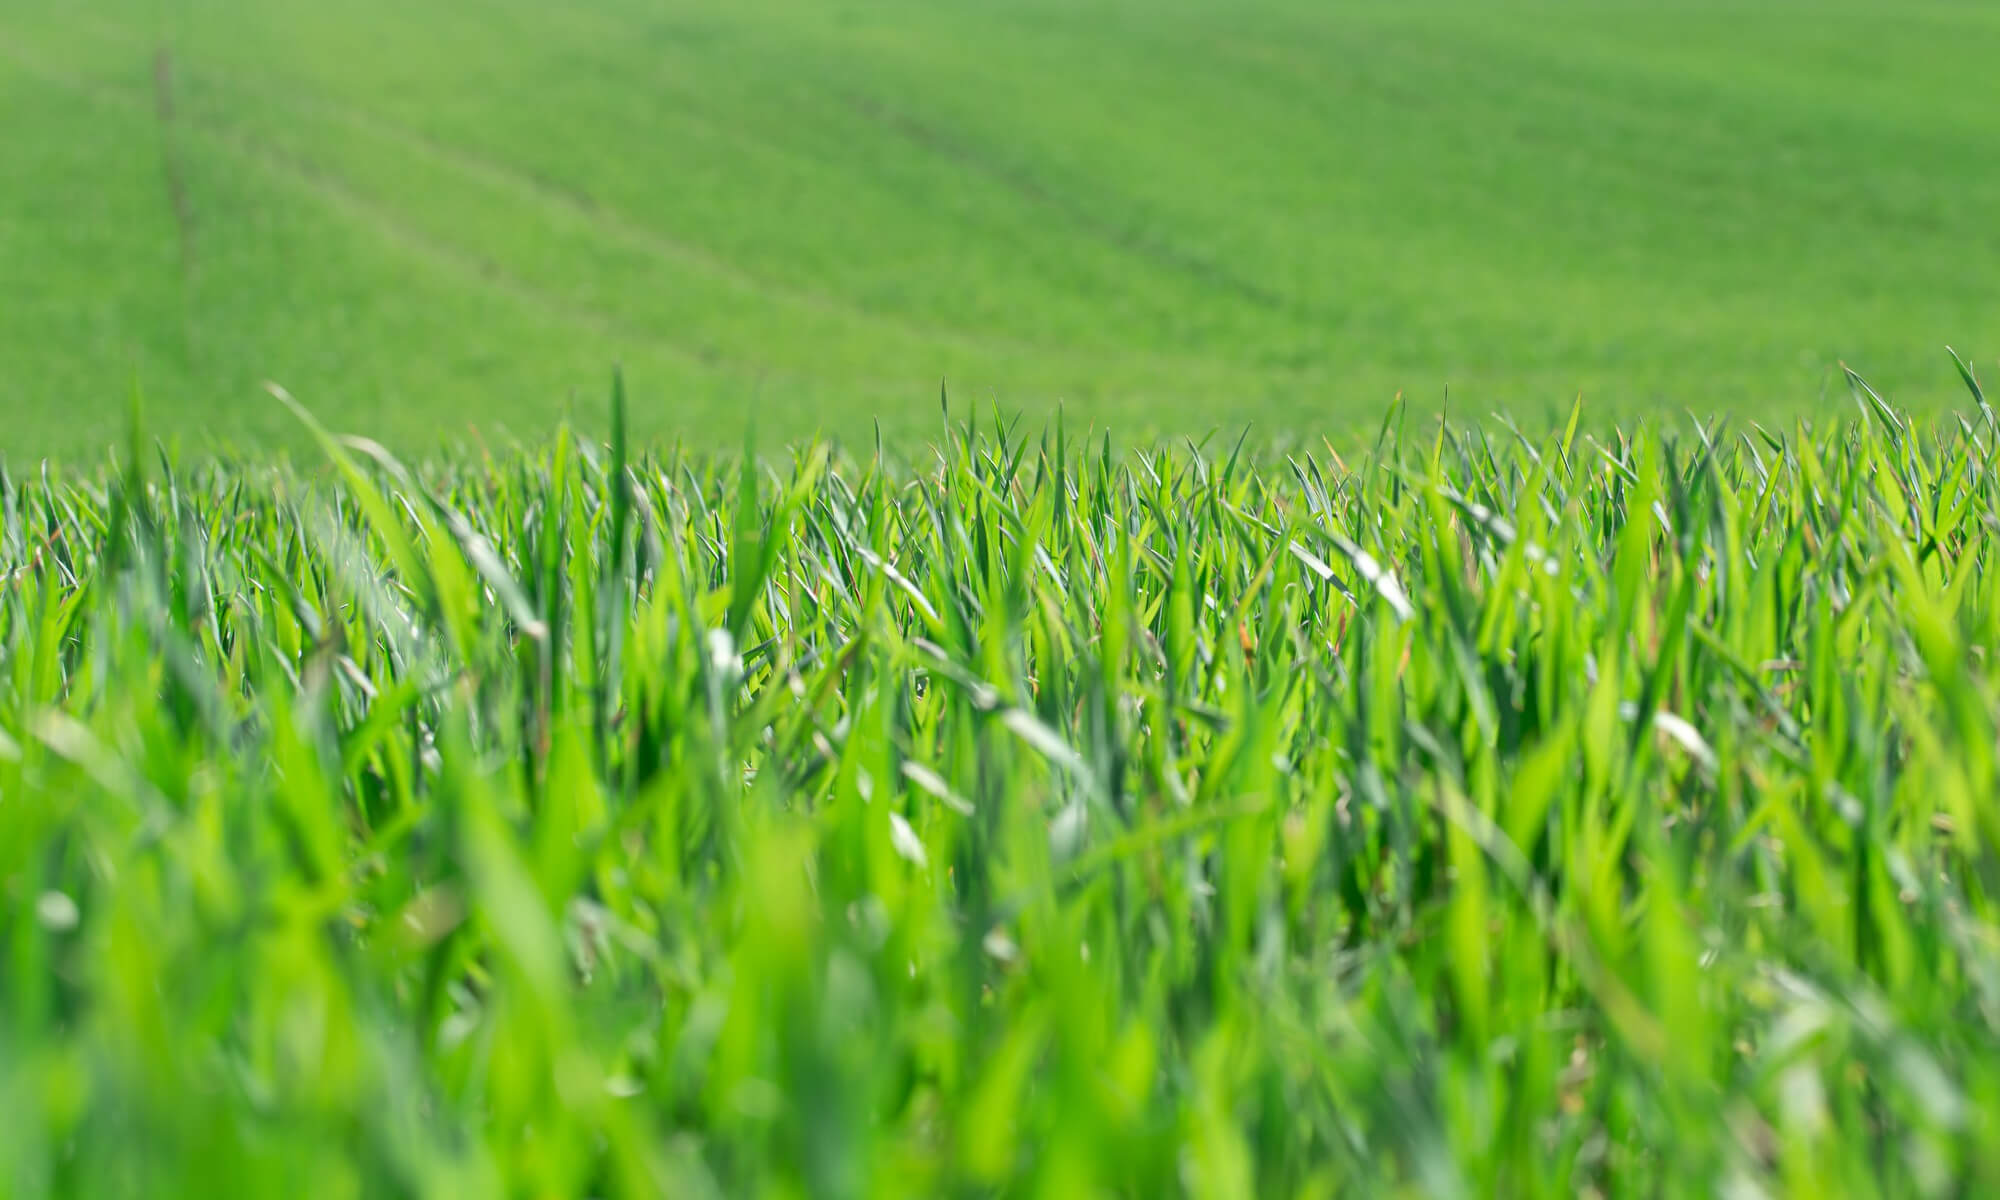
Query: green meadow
[437, 219]
[1411, 663]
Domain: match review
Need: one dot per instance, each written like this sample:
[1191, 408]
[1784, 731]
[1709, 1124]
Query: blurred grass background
[426, 217]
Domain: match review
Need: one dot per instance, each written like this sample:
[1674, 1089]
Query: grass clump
[1488, 814]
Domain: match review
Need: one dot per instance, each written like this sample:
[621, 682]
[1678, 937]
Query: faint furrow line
[620, 227]
[636, 235]
[594, 213]
[1160, 254]
[487, 273]
[328, 187]
[177, 189]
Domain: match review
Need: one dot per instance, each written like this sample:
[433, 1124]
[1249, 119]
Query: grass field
[1173, 214]
[538, 797]
[1489, 814]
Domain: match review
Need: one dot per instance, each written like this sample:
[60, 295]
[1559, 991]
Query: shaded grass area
[1494, 812]
[430, 216]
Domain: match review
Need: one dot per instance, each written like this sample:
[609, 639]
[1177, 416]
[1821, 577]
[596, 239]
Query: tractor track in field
[179, 202]
[1156, 252]
[625, 231]
[632, 234]
[570, 203]
[619, 227]
[330, 189]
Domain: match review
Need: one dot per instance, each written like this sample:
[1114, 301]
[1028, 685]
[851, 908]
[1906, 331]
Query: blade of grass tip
[127, 503]
[1569, 435]
[478, 551]
[1235, 453]
[381, 515]
[621, 497]
[1392, 416]
[752, 547]
[1873, 404]
[1061, 470]
[1972, 385]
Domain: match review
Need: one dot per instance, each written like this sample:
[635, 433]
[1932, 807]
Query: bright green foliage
[434, 214]
[1488, 814]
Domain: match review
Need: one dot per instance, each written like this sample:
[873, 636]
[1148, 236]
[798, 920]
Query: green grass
[1169, 214]
[1490, 813]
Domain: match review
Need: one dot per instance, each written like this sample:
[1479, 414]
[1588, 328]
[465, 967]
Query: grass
[426, 216]
[1493, 813]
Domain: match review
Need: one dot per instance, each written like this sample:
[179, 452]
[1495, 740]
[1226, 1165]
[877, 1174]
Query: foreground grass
[1487, 814]
[430, 213]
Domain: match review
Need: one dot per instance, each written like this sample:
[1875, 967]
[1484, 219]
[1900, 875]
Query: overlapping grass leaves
[1491, 814]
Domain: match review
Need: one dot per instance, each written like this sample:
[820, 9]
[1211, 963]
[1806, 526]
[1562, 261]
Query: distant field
[423, 216]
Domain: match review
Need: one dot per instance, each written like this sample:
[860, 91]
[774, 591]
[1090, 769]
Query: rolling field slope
[425, 216]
